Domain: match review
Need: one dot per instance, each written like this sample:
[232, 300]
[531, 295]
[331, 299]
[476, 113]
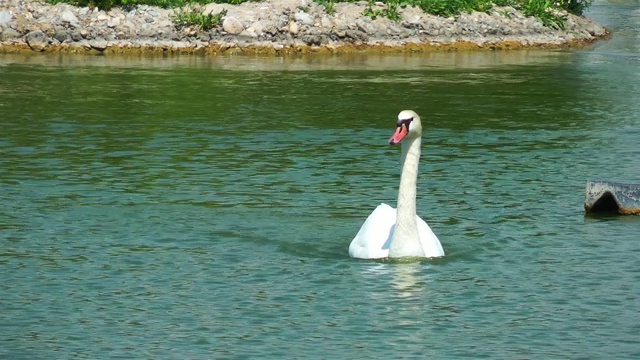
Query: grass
[448, 8]
[546, 11]
[329, 6]
[194, 17]
[390, 11]
[543, 10]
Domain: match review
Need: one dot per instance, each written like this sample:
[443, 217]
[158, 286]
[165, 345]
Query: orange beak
[401, 132]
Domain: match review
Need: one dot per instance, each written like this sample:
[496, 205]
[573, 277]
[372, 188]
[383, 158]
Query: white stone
[326, 23]
[304, 18]
[258, 27]
[250, 32]
[340, 24]
[294, 28]
[232, 26]
[5, 17]
[67, 16]
[113, 22]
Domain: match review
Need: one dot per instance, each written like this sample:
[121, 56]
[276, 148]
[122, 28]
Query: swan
[400, 233]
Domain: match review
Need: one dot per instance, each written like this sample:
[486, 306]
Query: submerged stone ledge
[275, 26]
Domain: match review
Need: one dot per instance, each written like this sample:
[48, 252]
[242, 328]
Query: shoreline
[277, 27]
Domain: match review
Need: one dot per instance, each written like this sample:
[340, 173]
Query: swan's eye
[406, 122]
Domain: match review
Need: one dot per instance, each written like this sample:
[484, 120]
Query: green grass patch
[194, 17]
[543, 10]
[448, 8]
[329, 6]
[390, 11]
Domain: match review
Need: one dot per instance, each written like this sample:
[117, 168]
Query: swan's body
[388, 232]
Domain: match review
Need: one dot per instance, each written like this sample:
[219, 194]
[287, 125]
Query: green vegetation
[547, 11]
[391, 11]
[543, 11]
[455, 7]
[196, 18]
[329, 6]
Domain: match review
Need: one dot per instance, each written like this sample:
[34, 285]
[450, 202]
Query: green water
[202, 207]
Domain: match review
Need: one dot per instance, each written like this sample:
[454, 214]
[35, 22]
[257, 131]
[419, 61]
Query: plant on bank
[448, 8]
[196, 18]
[543, 11]
[391, 11]
[329, 6]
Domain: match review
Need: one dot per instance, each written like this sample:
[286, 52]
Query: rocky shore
[280, 26]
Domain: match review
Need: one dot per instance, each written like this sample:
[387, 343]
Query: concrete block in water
[607, 196]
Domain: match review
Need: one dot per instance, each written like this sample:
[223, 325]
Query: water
[202, 207]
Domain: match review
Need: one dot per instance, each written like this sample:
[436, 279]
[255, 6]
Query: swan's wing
[374, 237]
[430, 243]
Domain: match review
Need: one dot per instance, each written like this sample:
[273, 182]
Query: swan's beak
[401, 131]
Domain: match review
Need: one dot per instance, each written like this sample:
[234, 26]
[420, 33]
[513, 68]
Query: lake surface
[197, 208]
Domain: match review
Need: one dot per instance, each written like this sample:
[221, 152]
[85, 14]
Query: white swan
[392, 233]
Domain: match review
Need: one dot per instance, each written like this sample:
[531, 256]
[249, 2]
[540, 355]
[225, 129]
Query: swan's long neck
[406, 241]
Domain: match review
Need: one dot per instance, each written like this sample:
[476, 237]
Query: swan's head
[408, 126]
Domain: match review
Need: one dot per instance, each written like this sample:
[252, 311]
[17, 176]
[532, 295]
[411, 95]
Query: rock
[61, 35]
[608, 196]
[205, 36]
[99, 44]
[356, 35]
[340, 25]
[213, 8]
[282, 21]
[248, 33]
[232, 25]
[258, 27]
[326, 23]
[270, 29]
[69, 18]
[84, 33]
[395, 29]
[312, 40]
[24, 23]
[362, 26]
[8, 34]
[594, 29]
[37, 40]
[294, 28]
[48, 29]
[84, 11]
[113, 22]
[5, 17]
[246, 37]
[304, 18]
[128, 27]
[76, 35]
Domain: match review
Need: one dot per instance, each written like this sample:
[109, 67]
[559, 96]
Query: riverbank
[275, 26]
